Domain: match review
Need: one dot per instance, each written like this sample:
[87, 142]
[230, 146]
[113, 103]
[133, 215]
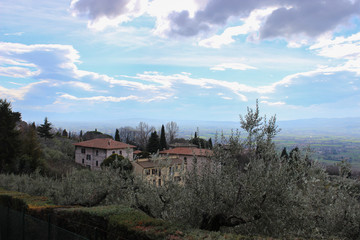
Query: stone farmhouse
[92, 153]
[187, 154]
[160, 169]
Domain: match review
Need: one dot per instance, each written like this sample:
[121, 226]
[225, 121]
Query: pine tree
[44, 130]
[117, 135]
[9, 136]
[163, 144]
[81, 135]
[154, 144]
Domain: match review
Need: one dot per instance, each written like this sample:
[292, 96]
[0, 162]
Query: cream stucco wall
[97, 155]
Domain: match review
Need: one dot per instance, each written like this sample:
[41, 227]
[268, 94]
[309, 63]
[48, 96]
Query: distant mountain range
[303, 127]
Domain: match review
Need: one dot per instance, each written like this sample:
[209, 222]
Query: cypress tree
[117, 135]
[284, 154]
[64, 133]
[163, 144]
[210, 144]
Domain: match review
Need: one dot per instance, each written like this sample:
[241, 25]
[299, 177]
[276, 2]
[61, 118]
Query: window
[83, 150]
[120, 152]
[83, 160]
[97, 152]
[171, 170]
[154, 182]
[159, 182]
[113, 152]
[97, 163]
[147, 171]
[159, 172]
[185, 160]
[88, 157]
[154, 171]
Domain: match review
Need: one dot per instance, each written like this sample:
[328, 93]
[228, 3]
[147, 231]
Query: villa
[92, 153]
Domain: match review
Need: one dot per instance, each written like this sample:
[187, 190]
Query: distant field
[327, 149]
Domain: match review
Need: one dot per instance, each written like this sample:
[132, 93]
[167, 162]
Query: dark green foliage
[31, 153]
[284, 154]
[116, 161]
[163, 144]
[65, 133]
[210, 144]
[154, 144]
[143, 154]
[44, 130]
[117, 135]
[9, 143]
[94, 134]
[200, 142]
[294, 155]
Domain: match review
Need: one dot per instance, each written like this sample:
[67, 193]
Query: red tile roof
[188, 151]
[103, 143]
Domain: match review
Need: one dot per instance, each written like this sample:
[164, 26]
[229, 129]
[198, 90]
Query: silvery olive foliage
[245, 188]
[248, 188]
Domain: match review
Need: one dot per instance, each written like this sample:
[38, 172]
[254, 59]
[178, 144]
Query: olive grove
[246, 188]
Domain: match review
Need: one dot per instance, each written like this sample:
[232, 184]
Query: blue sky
[88, 60]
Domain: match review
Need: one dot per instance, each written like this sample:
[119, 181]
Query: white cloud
[235, 66]
[17, 72]
[339, 48]
[103, 14]
[273, 103]
[227, 98]
[18, 93]
[14, 34]
[251, 25]
[99, 98]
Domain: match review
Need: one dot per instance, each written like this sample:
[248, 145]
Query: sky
[95, 60]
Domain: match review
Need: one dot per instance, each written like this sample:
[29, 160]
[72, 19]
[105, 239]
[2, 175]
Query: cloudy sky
[88, 60]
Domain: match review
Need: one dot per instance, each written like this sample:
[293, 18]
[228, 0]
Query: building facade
[188, 155]
[92, 153]
[156, 171]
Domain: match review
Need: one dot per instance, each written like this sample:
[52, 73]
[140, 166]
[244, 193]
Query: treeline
[25, 147]
[149, 140]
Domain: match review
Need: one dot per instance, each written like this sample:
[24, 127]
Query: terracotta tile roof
[103, 143]
[151, 164]
[188, 151]
[137, 151]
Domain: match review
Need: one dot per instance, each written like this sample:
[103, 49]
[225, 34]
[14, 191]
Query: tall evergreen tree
[153, 144]
[284, 154]
[117, 135]
[81, 135]
[44, 130]
[163, 144]
[31, 157]
[210, 144]
[64, 133]
[9, 136]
